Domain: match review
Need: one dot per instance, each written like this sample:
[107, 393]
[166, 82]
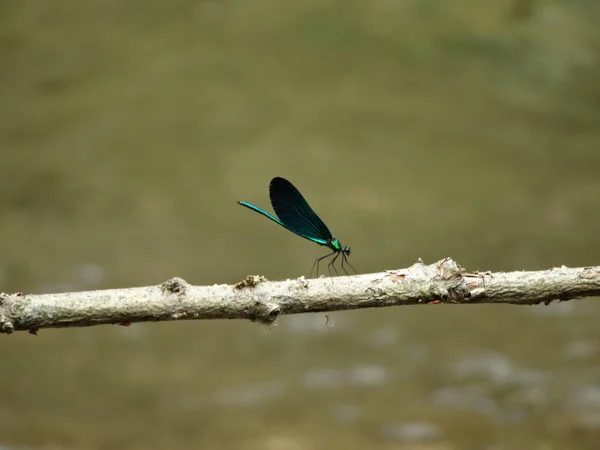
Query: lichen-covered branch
[260, 300]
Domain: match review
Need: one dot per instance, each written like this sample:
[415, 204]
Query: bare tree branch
[257, 299]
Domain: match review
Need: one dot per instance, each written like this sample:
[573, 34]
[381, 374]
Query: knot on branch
[176, 285]
[6, 326]
[265, 313]
[454, 286]
[250, 281]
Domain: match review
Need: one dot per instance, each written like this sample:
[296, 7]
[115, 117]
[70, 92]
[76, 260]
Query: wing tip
[278, 180]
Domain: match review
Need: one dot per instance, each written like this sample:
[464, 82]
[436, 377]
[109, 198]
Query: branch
[257, 299]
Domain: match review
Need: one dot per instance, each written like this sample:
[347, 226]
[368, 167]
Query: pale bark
[263, 301]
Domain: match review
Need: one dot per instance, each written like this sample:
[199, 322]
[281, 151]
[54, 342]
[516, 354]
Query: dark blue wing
[276, 220]
[295, 213]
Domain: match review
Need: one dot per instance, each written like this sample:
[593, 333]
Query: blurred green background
[415, 128]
